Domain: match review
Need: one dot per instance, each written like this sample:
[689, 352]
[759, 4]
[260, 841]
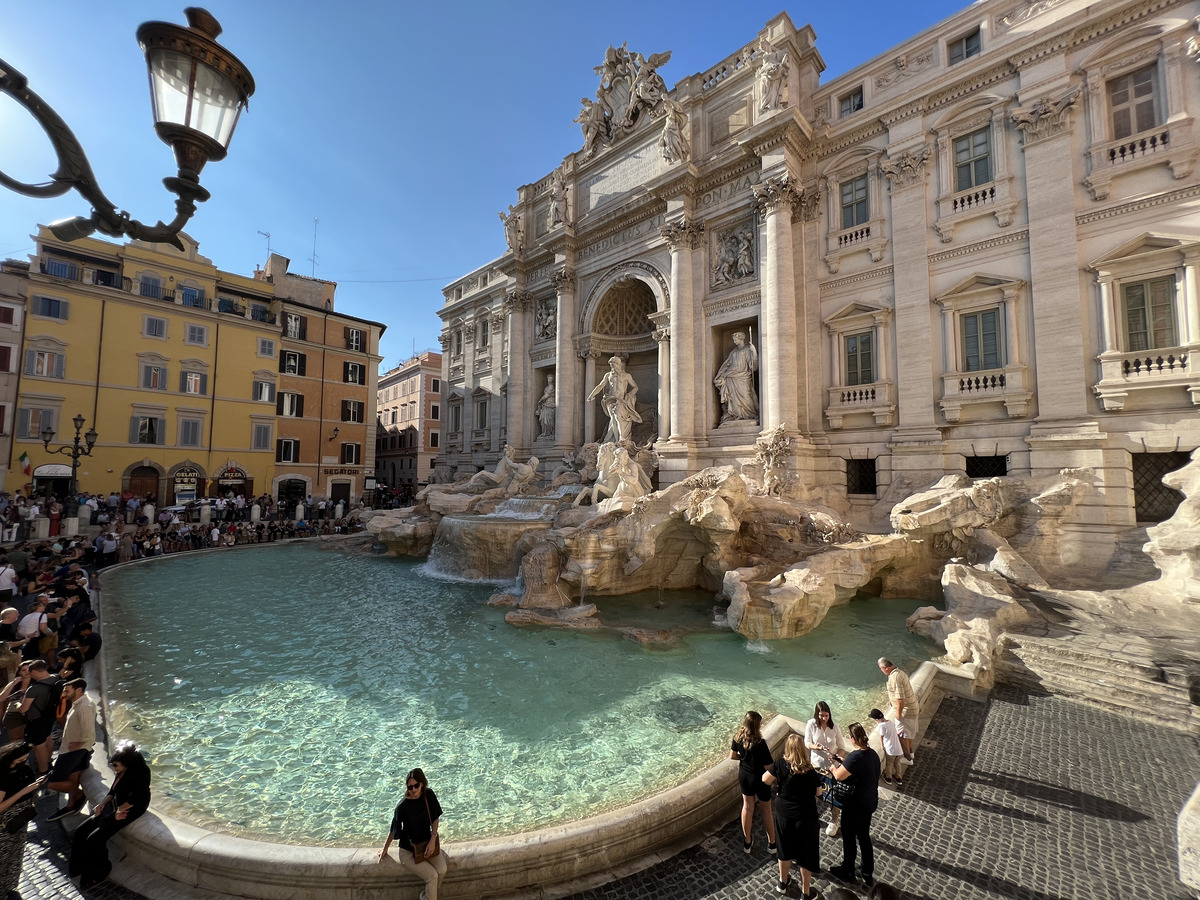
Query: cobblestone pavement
[1025, 797]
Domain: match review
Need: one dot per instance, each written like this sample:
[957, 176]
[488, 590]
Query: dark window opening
[1153, 501]
[861, 476]
[987, 466]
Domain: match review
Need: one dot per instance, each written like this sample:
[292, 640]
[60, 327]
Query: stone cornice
[1090, 31]
[866, 133]
[1121, 209]
[747, 300]
[632, 212]
[881, 272]
[903, 112]
[978, 246]
[978, 81]
[728, 172]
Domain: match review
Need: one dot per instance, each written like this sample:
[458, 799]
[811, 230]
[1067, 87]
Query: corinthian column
[566, 374]
[686, 325]
[520, 427]
[779, 367]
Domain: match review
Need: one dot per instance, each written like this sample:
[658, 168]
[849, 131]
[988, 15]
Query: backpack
[49, 707]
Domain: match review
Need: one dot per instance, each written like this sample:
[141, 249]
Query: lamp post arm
[74, 171]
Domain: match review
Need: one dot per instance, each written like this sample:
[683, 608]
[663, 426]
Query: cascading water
[485, 547]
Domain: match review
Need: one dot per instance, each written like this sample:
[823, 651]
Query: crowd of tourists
[48, 645]
[823, 771]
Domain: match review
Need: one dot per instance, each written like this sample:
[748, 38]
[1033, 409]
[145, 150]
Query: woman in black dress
[127, 800]
[749, 747]
[797, 824]
[414, 823]
[17, 788]
[861, 769]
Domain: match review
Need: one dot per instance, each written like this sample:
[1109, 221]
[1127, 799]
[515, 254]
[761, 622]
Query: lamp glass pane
[215, 105]
[170, 76]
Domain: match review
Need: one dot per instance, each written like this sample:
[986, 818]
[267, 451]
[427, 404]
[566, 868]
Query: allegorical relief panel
[734, 256]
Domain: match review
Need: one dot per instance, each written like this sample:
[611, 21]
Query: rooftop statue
[771, 76]
[630, 86]
[674, 141]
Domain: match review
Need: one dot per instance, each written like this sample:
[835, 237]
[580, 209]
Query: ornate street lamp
[198, 90]
[75, 451]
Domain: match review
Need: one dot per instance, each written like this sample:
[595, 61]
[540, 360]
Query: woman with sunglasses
[415, 824]
[127, 801]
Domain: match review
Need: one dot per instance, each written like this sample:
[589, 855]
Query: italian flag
[23, 459]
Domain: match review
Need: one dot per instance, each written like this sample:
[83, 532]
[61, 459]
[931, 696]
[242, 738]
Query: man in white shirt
[8, 583]
[75, 752]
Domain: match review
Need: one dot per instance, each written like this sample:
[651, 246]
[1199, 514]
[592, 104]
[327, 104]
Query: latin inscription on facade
[633, 170]
[649, 228]
[727, 191]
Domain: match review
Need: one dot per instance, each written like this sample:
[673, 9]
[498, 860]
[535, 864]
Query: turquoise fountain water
[284, 692]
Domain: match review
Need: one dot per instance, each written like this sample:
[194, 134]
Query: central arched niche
[621, 325]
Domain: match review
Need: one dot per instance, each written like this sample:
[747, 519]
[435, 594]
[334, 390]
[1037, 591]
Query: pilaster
[1062, 367]
[567, 395]
[683, 237]
[917, 437]
[517, 306]
[778, 196]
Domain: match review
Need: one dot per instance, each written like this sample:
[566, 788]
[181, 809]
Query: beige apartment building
[410, 411]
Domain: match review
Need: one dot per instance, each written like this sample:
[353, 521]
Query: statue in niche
[674, 141]
[514, 232]
[735, 382]
[547, 321]
[771, 76]
[620, 401]
[546, 411]
[558, 199]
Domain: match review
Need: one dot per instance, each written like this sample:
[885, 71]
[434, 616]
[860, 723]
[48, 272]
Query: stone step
[1088, 651]
[1175, 717]
[1092, 669]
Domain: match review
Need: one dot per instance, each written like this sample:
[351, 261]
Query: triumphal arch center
[976, 254]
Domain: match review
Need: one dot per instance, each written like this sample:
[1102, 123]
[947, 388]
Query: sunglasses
[413, 786]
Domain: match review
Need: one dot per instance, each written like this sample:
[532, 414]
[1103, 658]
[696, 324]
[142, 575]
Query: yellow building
[175, 363]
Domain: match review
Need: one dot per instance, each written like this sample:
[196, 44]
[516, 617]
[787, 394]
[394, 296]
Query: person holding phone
[415, 830]
[126, 801]
[18, 786]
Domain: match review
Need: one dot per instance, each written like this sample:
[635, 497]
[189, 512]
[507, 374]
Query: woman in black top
[127, 800]
[749, 747]
[415, 822]
[17, 788]
[860, 768]
[797, 824]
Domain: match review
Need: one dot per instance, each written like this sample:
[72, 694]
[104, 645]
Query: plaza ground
[1024, 797]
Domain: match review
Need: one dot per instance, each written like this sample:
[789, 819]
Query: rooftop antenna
[313, 258]
[267, 235]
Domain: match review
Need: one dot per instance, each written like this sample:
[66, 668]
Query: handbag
[16, 823]
[427, 850]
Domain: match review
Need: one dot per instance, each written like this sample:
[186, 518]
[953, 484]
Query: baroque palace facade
[975, 254]
[198, 381]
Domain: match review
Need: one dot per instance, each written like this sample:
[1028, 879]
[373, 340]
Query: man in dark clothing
[87, 641]
[40, 708]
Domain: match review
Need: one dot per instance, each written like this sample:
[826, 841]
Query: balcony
[1006, 386]
[877, 399]
[262, 314]
[105, 278]
[991, 199]
[1168, 145]
[867, 237]
[1168, 368]
[230, 307]
[57, 268]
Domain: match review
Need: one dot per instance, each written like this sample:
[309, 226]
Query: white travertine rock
[1174, 545]
[1188, 833]
[955, 502]
[403, 533]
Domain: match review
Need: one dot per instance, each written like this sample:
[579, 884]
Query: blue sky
[402, 127]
